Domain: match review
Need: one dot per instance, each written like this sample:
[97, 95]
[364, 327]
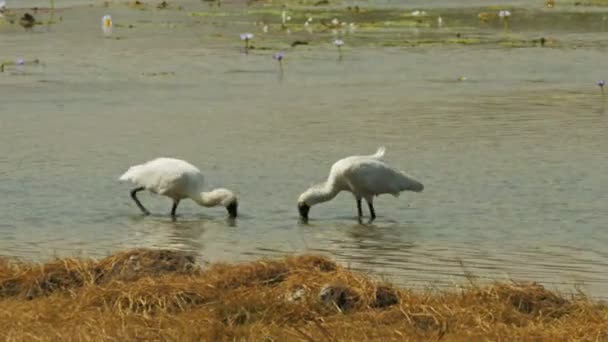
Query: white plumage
[365, 177]
[177, 179]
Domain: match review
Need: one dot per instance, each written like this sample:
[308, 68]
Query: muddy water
[513, 156]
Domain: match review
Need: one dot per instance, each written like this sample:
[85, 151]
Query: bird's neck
[208, 198]
[326, 192]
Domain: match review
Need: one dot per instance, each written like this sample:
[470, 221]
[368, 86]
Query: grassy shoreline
[163, 295]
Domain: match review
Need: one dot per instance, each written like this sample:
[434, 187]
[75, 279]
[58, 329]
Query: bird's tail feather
[380, 152]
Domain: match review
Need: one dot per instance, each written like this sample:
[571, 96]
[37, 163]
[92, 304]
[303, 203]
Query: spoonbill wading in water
[365, 177]
[177, 179]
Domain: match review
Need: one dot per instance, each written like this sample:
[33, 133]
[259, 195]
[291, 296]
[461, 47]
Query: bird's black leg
[175, 203]
[372, 212]
[359, 209]
[134, 197]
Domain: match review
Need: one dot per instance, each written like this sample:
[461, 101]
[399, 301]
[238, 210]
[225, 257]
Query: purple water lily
[20, 61]
[279, 58]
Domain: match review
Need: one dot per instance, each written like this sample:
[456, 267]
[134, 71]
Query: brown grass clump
[164, 295]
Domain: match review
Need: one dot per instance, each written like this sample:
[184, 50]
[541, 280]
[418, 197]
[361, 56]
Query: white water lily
[504, 14]
[106, 24]
[265, 29]
[352, 27]
[246, 36]
[335, 21]
[439, 21]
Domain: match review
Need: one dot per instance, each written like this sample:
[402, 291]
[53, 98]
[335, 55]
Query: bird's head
[303, 208]
[306, 200]
[226, 198]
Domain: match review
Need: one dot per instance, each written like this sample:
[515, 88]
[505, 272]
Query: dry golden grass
[164, 295]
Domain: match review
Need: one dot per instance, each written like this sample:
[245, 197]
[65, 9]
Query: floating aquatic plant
[601, 84]
[246, 37]
[339, 43]
[106, 24]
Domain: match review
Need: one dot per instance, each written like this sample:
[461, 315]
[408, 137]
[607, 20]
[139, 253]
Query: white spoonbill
[365, 177]
[177, 179]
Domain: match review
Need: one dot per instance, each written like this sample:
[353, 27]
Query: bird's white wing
[374, 177]
[165, 175]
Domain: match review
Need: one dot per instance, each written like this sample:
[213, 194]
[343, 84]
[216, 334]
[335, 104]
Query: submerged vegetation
[165, 295]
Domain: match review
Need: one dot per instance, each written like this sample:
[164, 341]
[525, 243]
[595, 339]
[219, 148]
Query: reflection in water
[163, 232]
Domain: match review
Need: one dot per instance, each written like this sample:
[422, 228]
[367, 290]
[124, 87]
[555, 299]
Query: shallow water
[513, 159]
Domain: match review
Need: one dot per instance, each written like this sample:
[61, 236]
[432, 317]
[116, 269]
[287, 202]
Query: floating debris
[298, 42]
[27, 21]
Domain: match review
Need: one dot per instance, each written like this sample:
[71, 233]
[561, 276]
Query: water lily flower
[417, 13]
[335, 21]
[20, 61]
[246, 37]
[505, 14]
[278, 56]
[439, 21]
[339, 43]
[265, 29]
[106, 24]
[601, 84]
